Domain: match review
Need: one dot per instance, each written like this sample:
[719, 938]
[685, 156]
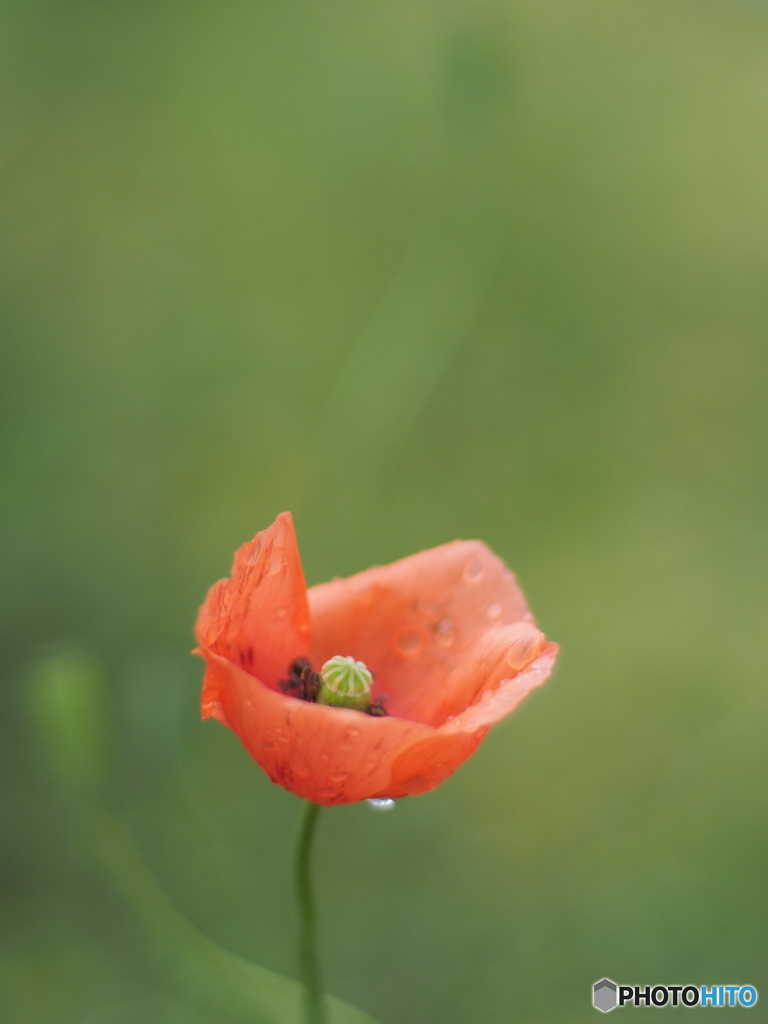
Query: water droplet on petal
[281, 611]
[474, 570]
[525, 646]
[381, 803]
[494, 610]
[268, 745]
[277, 561]
[349, 736]
[444, 632]
[302, 770]
[409, 642]
[339, 777]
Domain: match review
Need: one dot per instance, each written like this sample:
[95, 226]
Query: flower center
[342, 682]
[345, 683]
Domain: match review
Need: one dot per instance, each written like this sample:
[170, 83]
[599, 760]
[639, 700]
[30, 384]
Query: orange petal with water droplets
[447, 634]
[335, 756]
[433, 628]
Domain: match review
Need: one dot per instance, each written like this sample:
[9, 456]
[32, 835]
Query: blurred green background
[493, 270]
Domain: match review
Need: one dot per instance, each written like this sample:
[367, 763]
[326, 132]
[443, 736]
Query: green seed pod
[345, 683]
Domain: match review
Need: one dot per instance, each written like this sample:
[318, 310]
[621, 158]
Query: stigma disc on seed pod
[345, 683]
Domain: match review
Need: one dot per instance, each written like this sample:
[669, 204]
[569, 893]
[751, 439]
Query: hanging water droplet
[381, 803]
[494, 610]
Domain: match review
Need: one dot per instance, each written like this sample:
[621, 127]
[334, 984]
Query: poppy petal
[430, 627]
[497, 702]
[334, 755]
[259, 618]
[423, 766]
[324, 754]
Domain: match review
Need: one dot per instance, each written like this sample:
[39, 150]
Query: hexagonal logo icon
[604, 995]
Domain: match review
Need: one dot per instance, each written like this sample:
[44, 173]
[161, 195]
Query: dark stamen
[302, 682]
[377, 709]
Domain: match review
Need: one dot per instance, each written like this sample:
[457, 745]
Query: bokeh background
[415, 271]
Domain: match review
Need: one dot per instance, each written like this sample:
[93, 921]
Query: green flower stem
[309, 971]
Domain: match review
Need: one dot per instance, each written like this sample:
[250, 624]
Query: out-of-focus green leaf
[66, 696]
[68, 709]
[211, 977]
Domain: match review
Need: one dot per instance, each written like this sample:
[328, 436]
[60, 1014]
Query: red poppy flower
[446, 633]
